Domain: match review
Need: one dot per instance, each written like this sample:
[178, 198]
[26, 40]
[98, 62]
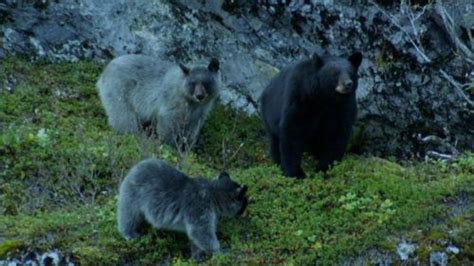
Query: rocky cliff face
[412, 77]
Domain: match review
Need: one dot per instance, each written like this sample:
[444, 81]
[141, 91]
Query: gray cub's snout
[199, 92]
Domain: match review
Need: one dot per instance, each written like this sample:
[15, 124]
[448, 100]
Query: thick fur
[155, 192]
[311, 106]
[137, 90]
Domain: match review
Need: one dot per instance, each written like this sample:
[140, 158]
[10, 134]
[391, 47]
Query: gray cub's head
[232, 200]
[201, 83]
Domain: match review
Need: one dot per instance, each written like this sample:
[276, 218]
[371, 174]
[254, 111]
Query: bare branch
[226, 160]
[439, 156]
[450, 27]
[458, 87]
[414, 36]
[183, 141]
[471, 40]
[440, 142]
[236, 152]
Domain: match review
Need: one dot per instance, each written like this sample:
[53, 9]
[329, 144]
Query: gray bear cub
[139, 91]
[156, 192]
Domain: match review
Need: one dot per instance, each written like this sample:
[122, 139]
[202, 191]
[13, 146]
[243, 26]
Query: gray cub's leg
[203, 238]
[129, 219]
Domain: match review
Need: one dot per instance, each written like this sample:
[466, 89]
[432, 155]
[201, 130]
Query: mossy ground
[60, 166]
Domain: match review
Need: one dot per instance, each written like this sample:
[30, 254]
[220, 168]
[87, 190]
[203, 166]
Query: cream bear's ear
[213, 65]
[184, 68]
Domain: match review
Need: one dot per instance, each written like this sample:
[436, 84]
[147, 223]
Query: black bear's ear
[213, 65]
[318, 61]
[184, 68]
[356, 59]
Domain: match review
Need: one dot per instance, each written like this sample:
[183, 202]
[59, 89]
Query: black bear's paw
[324, 165]
[297, 173]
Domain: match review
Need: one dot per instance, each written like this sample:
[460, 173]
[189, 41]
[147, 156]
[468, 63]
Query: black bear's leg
[324, 164]
[314, 149]
[334, 151]
[275, 149]
[291, 151]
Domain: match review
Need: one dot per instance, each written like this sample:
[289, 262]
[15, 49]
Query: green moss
[231, 139]
[92, 255]
[382, 63]
[9, 246]
[60, 166]
[423, 254]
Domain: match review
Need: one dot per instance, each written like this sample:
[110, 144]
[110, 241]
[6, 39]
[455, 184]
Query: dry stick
[440, 141]
[471, 40]
[413, 18]
[224, 159]
[112, 150]
[449, 24]
[181, 139]
[236, 151]
[469, 55]
[181, 147]
[450, 28]
[457, 86]
[415, 43]
[438, 155]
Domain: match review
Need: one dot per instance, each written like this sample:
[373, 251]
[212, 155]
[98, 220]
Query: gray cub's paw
[200, 256]
[130, 235]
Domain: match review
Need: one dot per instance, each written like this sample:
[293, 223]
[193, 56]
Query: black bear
[311, 106]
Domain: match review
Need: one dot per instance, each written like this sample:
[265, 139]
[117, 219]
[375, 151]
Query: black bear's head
[201, 83]
[338, 76]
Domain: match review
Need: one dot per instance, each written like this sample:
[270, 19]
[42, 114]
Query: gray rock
[438, 259]
[405, 250]
[452, 249]
[51, 257]
[370, 257]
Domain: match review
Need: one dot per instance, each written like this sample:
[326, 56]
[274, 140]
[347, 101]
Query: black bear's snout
[348, 84]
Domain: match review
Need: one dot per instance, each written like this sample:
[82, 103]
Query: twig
[236, 152]
[416, 43]
[439, 141]
[224, 152]
[440, 156]
[457, 86]
[450, 27]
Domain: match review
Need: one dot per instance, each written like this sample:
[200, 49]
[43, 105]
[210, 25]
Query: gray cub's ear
[224, 175]
[356, 59]
[241, 191]
[184, 68]
[213, 65]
